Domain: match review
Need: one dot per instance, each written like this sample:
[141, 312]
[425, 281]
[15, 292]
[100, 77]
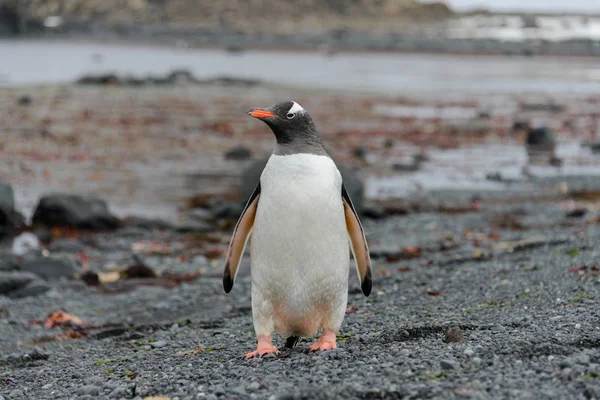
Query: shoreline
[387, 44]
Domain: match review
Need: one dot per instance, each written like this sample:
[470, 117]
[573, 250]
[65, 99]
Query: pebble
[469, 352]
[476, 361]
[564, 364]
[583, 359]
[447, 364]
[158, 344]
[241, 390]
[90, 390]
[254, 386]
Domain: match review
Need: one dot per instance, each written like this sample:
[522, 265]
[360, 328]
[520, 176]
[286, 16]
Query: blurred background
[423, 104]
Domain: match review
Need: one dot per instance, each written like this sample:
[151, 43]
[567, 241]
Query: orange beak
[260, 114]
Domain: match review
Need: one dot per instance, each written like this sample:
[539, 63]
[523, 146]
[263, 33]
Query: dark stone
[138, 270]
[541, 138]
[181, 76]
[25, 100]
[354, 187]
[238, 153]
[49, 268]
[108, 333]
[10, 21]
[11, 281]
[108, 79]
[577, 213]
[74, 211]
[360, 152]
[520, 126]
[529, 21]
[374, 212]
[454, 335]
[10, 220]
[90, 278]
[33, 288]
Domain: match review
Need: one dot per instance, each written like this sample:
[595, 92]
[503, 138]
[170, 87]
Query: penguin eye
[290, 115]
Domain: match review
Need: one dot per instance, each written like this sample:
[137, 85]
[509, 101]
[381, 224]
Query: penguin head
[289, 122]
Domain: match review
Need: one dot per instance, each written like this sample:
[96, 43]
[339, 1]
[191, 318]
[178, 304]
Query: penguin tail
[291, 342]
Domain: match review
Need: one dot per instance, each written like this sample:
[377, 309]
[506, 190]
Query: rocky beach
[118, 196]
[468, 141]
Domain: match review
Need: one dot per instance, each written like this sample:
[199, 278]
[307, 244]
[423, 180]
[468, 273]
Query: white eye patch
[296, 108]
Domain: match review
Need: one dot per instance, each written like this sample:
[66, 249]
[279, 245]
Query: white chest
[300, 221]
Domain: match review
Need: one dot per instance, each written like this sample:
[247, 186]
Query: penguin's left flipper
[241, 233]
[358, 242]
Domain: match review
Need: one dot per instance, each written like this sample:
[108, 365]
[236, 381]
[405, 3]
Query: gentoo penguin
[302, 220]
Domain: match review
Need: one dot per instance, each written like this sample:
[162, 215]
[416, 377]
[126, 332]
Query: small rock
[476, 361]
[454, 335]
[89, 390]
[583, 359]
[254, 386]
[158, 344]
[25, 100]
[448, 365]
[565, 364]
[469, 352]
[240, 390]
[238, 153]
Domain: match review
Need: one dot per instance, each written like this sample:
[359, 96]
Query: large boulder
[251, 177]
[82, 212]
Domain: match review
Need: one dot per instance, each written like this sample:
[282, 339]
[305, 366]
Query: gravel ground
[473, 314]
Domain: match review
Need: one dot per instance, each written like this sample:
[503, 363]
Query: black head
[293, 127]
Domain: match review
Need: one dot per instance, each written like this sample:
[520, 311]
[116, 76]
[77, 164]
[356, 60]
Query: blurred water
[39, 62]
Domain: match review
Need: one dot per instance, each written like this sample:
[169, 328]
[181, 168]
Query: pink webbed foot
[264, 347]
[325, 342]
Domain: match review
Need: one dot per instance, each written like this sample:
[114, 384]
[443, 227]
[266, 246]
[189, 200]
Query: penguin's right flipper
[241, 233]
[358, 242]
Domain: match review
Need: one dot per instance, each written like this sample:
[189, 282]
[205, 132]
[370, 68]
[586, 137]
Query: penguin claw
[325, 342]
[323, 346]
[261, 351]
[264, 347]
